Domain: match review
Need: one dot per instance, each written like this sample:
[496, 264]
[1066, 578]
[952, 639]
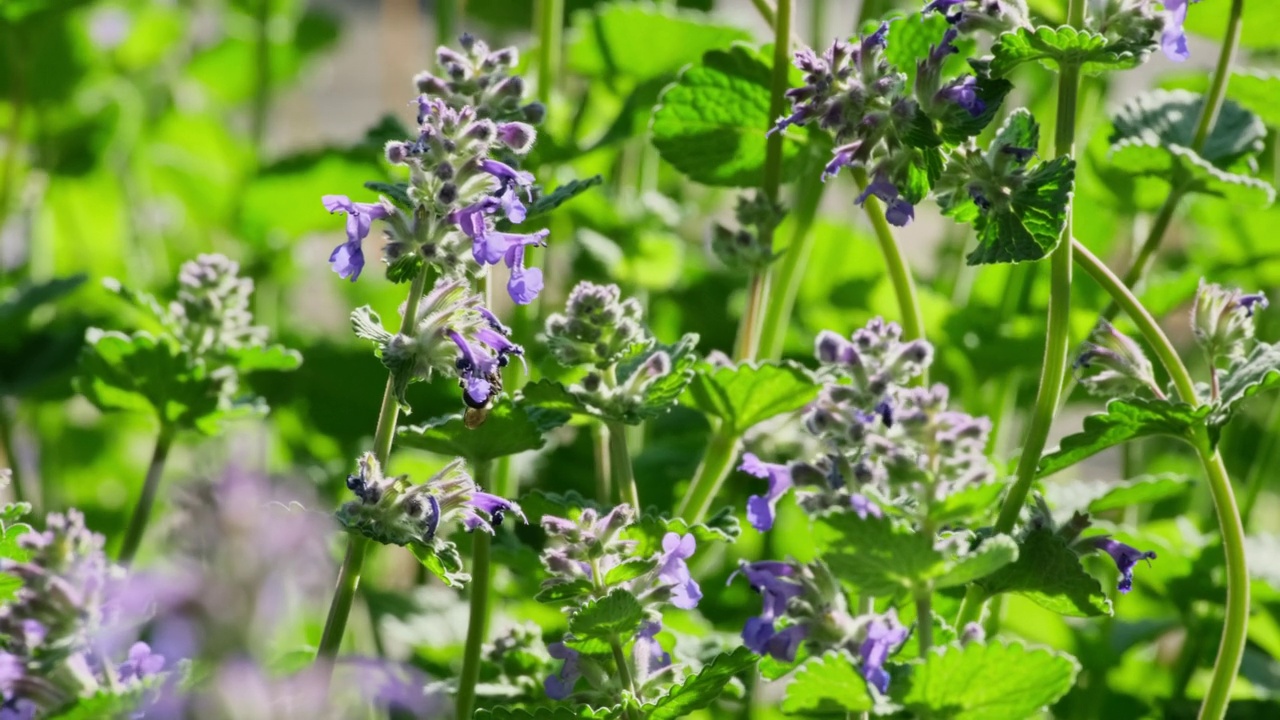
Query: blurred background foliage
[138, 133]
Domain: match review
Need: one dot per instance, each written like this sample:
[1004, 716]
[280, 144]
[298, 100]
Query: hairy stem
[1054, 368]
[904, 287]
[550, 25]
[478, 620]
[722, 450]
[924, 619]
[357, 545]
[142, 511]
[624, 670]
[604, 477]
[9, 452]
[789, 272]
[1235, 625]
[620, 464]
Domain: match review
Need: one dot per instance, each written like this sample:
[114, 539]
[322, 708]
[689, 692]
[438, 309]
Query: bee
[474, 417]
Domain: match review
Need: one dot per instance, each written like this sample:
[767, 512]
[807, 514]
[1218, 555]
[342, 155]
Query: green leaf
[1097, 496]
[629, 570]
[1055, 47]
[985, 681]
[442, 559]
[747, 394]
[641, 41]
[969, 503]
[397, 193]
[1029, 228]
[1049, 573]
[661, 395]
[561, 195]
[1191, 173]
[1169, 117]
[11, 550]
[701, 689]
[711, 123]
[1258, 372]
[265, 357]
[1122, 421]
[564, 592]
[875, 555]
[993, 554]
[1254, 90]
[547, 401]
[617, 614]
[558, 712]
[647, 531]
[18, 304]
[506, 430]
[830, 685]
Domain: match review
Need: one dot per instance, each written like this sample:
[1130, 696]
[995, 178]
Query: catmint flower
[972, 633]
[1125, 558]
[510, 182]
[649, 656]
[1173, 40]
[394, 510]
[884, 635]
[142, 663]
[560, 685]
[524, 283]
[1113, 365]
[993, 16]
[761, 510]
[597, 326]
[898, 211]
[1222, 320]
[775, 583]
[963, 92]
[673, 570]
[348, 258]
[864, 507]
[479, 77]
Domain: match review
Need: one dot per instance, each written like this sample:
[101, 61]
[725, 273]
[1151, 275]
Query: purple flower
[1125, 557]
[1174, 38]
[863, 506]
[348, 258]
[844, 155]
[877, 39]
[648, 652]
[1020, 155]
[495, 507]
[786, 642]
[471, 219]
[525, 283]
[898, 211]
[938, 53]
[761, 510]
[517, 135]
[1249, 301]
[673, 570]
[509, 180]
[772, 580]
[11, 671]
[475, 366]
[18, 709]
[964, 92]
[142, 663]
[560, 685]
[492, 247]
[884, 635]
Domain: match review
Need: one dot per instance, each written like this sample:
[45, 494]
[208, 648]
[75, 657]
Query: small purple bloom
[884, 409]
[964, 92]
[938, 53]
[649, 655]
[560, 685]
[786, 642]
[1020, 155]
[142, 663]
[772, 580]
[844, 155]
[11, 671]
[877, 39]
[492, 247]
[673, 570]
[471, 219]
[1173, 40]
[761, 511]
[863, 506]
[884, 635]
[510, 180]
[1125, 557]
[525, 283]
[898, 211]
[1248, 302]
[475, 365]
[799, 117]
[348, 258]
[495, 507]
[517, 135]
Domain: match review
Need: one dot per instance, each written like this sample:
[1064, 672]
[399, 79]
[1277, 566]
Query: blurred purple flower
[884, 635]
[648, 652]
[863, 506]
[1173, 40]
[1125, 557]
[560, 685]
[673, 570]
[964, 92]
[142, 663]
[761, 510]
[898, 211]
[772, 579]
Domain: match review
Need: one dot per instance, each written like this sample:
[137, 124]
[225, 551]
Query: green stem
[924, 619]
[789, 272]
[748, 342]
[1235, 626]
[142, 511]
[1221, 75]
[9, 452]
[550, 25]
[357, 545]
[970, 606]
[722, 450]
[478, 621]
[904, 288]
[620, 464]
[1054, 369]
[604, 478]
[447, 12]
[262, 74]
[1264, 464]
[624, 670]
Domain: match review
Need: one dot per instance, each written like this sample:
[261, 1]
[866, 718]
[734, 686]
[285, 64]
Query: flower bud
[1113, 365]
[1223, 320]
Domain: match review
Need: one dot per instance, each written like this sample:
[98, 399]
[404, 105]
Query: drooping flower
[142, 663]
[510, 181]
[773, 581]
[560, 685]
[761, 510]
[648, 652]
[864, 506]
[1173, 40]
[1125, 557]
[673, 570]
[883, 636]
[525, 282]
[898, 211]
[963, 91]
[348, 258]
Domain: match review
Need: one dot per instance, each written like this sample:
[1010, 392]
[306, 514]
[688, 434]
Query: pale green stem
[904, 287]
[924, 619]
[550, 25]
[620, 464]
[604, 478]
[9, 451]
[722, 450]
[150, 486]
[1054, 369]
[262, 75]
[789, 272]
[357, 545]
[478, 620]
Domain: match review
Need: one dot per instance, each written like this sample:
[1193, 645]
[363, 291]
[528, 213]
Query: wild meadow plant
[894, 537]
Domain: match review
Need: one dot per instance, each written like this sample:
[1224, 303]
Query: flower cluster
[748, 250]
[394, 510]
[597, 326]
[60, 630]
[993, 16]
[1111, 364]
[852, 92]
[453, 334]
[461, 177]
[802, 603]
[1223, 320]
[989, 181]
[593, 557]
[212, 312]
